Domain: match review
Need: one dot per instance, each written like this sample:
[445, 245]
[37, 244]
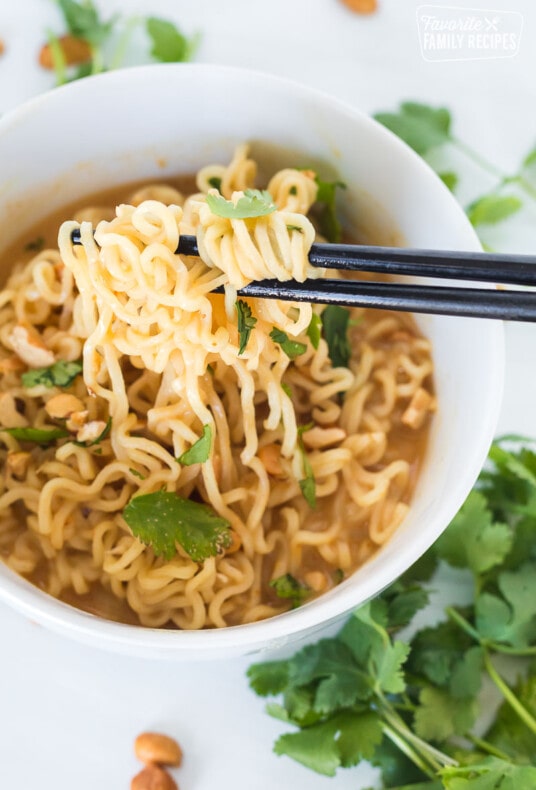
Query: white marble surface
[69, 714]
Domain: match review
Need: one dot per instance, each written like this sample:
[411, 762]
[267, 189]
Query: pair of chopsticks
[443, 300]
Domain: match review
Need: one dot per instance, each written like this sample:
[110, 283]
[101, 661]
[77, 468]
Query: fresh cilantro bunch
[410, 705]
[427, 129]
[92, 44]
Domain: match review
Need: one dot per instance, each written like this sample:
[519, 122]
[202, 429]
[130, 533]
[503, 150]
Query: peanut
[74, 51]
[17, 463]
[419, 406]
[152, 747]
[270, 455]
[62, 406]
[90, 431]
[361, 6]
[9, 416]
[316, 580]
[153, 778]
[29, 346]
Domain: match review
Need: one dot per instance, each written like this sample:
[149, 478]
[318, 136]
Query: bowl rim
[175, 643]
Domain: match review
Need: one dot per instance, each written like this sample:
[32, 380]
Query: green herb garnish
[169, 44]
[286, 389]
[199, 451]
[410, 706]
[60, 374]
[335, 322]
[37, 435]
[162, 520]
[104, 433]
[292, 348]
[314, 330]
[253, 203]
[136, 473]
[297, 228]
[36, 245]
[420, 126]
[450, 179]
[491, 209]
[215, 182]
[246, 322]
[287, 586]
[328, 223]
[308, 483]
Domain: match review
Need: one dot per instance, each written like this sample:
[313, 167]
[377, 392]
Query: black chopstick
[445, 300]
[439, 300]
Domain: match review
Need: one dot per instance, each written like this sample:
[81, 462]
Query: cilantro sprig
[428, 129]
[404, 704]
[292, 348]
[199, 452]
[287, 586]
[335, 324]
[106, 41]
[164, 519]
[253, 203]
[246, 323]
[60, 374]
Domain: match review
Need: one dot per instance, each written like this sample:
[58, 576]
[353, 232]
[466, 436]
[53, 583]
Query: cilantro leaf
[83, 21]
[199, 451]
[530, 158]
[169, 44]
[269, 677]
[491, 774]
[163, 519]
[510, 619]
[287, 586]
[508, 733]
[472, 540]
[314, 330]
[450, 180]
[37, 435]
[335, 321]
[253, 203]
[60, 374]
[342, 740]
[373, 649]
[215, 182]
[328, 223]
[403, 602]
[491, 209]
[291, 348]
[439, 715]
[396, 769]
[420, 126]
[308, 483]
[246, 322]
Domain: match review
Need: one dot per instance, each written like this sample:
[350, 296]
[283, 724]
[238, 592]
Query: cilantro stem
[58, 58]
[123, 42]
[436, 758]
[456, 617]
[477, 158]
[488, 747]
[490, 168]
[406, 749]
[509, 695]
[97, 62]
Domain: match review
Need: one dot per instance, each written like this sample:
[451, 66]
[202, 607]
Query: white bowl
[157, 120]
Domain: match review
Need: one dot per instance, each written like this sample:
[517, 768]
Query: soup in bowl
[189, 473]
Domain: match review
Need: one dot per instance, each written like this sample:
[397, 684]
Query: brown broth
[405, 443]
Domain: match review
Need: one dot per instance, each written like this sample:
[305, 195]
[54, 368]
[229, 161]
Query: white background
[69, 714]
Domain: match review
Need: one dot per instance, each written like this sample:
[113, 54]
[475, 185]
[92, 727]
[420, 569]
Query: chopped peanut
[77, 420]
[322, 437]
[90, 431]
[361, 6]
[9, 416]
[316, 580]
[152, 747]
[419, 406]
[2, 47]
[29, 346]
[75, 51]
[153, 778]
[270, 455]
[62, 406]
[10, 364]
[235, 544]
[17, 463]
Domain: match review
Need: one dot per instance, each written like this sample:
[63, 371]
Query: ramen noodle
[183, 458]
